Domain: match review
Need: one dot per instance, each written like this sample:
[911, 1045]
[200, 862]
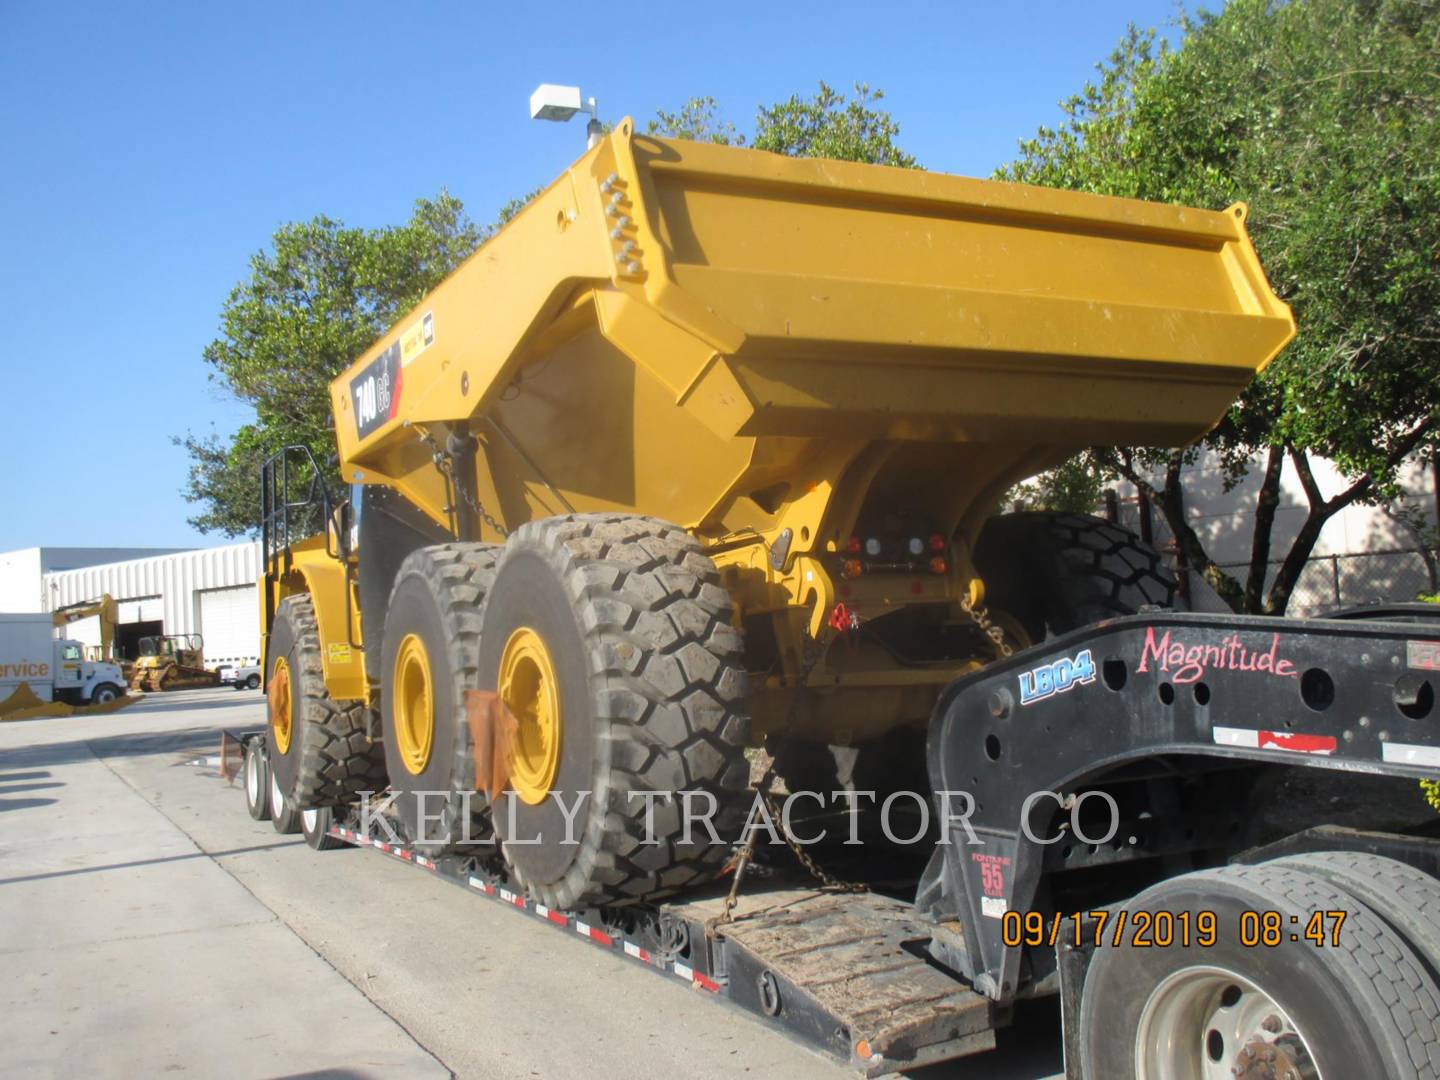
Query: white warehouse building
[207, 591]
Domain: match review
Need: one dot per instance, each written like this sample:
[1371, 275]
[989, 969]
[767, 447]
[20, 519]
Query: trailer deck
[847, 973]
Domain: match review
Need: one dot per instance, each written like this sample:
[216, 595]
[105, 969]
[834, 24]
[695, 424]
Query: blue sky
[150, 149]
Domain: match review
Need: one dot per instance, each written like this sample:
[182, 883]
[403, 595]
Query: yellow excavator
[172, 662]
[109, 615]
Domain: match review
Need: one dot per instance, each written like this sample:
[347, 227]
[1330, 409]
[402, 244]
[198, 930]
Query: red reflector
[937, 542]
[853, 545]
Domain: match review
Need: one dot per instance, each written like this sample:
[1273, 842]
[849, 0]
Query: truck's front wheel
[320, 749]
[1299, 978]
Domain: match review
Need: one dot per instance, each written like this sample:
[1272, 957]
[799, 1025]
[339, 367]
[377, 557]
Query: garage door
[141, 609]
[230, 622]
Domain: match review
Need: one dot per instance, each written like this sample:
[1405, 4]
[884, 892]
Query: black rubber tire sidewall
[1299, 977]
[252, 683]
[285, 765]
[413, 610]
[528, 593]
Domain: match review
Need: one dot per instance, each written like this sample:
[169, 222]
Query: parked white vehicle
[244, 677]
[54, 668]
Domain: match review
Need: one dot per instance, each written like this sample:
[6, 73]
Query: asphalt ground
[149, 926]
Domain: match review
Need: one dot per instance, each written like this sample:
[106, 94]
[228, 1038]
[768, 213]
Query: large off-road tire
[1361, 1004]
[621, 625]
[1058, 572]
[428, 661]
[320, 749]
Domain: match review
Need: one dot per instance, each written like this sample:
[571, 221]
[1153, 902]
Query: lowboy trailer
[1206, 703]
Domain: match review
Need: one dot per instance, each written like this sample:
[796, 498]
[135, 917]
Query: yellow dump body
[769, 351]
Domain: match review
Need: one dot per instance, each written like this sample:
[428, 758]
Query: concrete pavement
[148, 925]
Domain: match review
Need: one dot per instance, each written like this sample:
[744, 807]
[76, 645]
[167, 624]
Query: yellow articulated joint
[281, 703]
[414, 692]
[530, 691]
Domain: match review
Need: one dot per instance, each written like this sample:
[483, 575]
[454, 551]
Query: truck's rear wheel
[1360, 1004]
[608, 638]
[320, 749]
[257, 782]
[1407, 898]
[284, 814]
[428, 657]
[1058, 572]
[315, 825]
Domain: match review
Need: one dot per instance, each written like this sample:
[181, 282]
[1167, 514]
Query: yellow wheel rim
[530, 691]
[280, 706]
[414, 704]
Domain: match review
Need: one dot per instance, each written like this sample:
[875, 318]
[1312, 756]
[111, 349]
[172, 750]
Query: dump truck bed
[673, 326]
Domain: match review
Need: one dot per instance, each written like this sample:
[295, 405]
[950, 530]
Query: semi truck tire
[428, 659]
[1361, 1004]
[1405, 897]
[257, 782]
[320, 749]
[1057, 572]
[284, 814]
[608, 639]
[315, 825]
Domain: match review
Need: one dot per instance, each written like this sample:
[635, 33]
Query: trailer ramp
[849, 972]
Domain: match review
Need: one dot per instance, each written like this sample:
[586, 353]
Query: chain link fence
[1329, 582]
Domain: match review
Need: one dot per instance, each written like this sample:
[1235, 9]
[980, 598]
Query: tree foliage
[312, 303]
[324, 292]
[828, 125]
[1323, 115]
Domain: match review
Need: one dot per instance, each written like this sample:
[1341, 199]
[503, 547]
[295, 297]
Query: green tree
[827, 125]
[324, 291]
[1324, 115]
[312, 303]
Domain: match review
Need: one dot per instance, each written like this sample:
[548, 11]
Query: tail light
[937, 542]
[853, 545]
[853, 568]
[938, 565]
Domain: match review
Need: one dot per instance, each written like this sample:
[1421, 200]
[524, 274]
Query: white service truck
[55, 668]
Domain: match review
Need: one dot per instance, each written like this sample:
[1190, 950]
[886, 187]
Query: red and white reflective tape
[694, 978]
[483, 886]
[597, 936]
[631, 949]
[421, 860]
[1296, 742]
[1409, 754]
[553, 916]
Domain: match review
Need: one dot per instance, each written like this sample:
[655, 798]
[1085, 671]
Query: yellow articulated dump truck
[677, 501]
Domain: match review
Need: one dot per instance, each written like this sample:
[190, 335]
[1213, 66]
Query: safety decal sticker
[417, 339]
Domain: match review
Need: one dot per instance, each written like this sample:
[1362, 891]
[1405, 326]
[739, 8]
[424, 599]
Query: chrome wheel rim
[252, 779]
[1207, 1023]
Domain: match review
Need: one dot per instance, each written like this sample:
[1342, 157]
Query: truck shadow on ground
[159, 860]
[17, 782]
[204, 739]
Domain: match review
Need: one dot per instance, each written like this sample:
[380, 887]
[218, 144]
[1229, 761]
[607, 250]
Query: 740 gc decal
[1056, 677]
